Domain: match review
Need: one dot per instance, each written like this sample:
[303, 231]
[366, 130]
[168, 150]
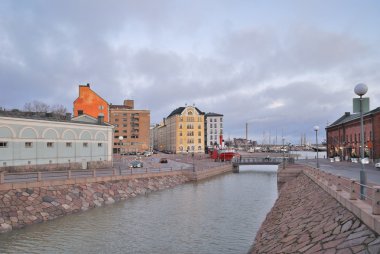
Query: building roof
[347, 117]
[212, 114]
[47, 117]
[179, 111]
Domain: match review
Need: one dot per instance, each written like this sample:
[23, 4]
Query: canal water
[220, 215]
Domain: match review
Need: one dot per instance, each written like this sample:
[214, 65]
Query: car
[136, 164]
[163, 160]
[365, 161]
[147, 153]
[377, 165]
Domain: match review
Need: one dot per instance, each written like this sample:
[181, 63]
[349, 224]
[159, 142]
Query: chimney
[100, 119]
[88, 84]
[129, 104]
[347, 114]
[68, 117]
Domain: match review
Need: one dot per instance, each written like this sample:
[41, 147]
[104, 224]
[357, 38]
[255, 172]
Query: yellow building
[182, 131]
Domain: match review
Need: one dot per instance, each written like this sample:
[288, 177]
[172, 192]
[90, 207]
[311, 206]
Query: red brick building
[343, 136]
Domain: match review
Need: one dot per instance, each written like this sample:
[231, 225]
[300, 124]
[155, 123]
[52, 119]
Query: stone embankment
[25, 206]
[306, 219]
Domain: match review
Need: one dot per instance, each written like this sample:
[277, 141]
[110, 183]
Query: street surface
[347, 169]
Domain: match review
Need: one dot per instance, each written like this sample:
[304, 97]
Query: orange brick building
[90, 103]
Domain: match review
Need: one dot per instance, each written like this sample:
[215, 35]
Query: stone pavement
[306, 219]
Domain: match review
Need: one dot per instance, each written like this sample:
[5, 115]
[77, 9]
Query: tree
[38, 106]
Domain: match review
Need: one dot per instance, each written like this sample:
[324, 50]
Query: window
[199, 133]
[116, 119]
[124, 114]
[221, 119]
[124, 119]
[124, 131]
[180, 133]
[180, 126]
[116, 125]
[28, 144]
[100, 144]
[199, 141]
[49, 144]
[116, 131]
[124, 125]
[214, 125]
[68, 144]
[85, 144]
[221, 125]
[210, 119]
[80, 112]
[116, 114]
[210, 125]
[101, 107]
[3, 144]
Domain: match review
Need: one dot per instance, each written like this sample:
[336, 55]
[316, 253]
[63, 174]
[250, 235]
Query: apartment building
[181, 132]
[132, 128]
[213, 129]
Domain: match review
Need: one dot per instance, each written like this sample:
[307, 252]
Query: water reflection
[220, 215]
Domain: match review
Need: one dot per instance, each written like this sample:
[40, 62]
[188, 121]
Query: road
[346, 169]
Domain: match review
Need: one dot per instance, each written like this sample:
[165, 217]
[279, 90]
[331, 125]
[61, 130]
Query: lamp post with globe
[361, 89]
[120, 144]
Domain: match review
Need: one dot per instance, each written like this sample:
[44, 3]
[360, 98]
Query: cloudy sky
[281, 66]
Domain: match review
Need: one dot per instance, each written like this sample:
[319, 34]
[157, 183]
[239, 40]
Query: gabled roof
[179, 111]
[347, 117]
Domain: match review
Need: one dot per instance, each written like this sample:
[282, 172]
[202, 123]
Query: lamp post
[316, 129]
[120, 143]
[361, 89]
[283, 153]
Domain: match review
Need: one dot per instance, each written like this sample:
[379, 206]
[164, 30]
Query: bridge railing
[262, 160]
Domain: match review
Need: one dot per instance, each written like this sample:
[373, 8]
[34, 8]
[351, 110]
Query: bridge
[236, 162]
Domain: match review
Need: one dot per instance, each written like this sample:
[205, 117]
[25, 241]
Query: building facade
[132, 128]
[181, 132]
[344, 140]
[30, 143]
[90, 103]
[213, 130]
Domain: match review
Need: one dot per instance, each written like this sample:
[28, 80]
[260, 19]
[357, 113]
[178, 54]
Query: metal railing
[72, 174]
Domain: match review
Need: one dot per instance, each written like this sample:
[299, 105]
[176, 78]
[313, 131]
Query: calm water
[221, 215]
[309, 154]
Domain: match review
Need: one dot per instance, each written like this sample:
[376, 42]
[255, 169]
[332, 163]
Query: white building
[30, 141]
[213, 129]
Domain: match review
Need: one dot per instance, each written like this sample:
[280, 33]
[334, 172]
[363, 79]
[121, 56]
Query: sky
[280, 66]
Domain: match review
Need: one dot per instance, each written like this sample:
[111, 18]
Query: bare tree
[58, 109]
[38, 106]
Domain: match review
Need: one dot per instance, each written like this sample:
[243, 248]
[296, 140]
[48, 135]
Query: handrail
[350, 186]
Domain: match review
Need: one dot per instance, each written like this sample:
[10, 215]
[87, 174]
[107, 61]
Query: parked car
[365, 161]
[163, 160]
[147, 153]
[136, 164]
[377, 165]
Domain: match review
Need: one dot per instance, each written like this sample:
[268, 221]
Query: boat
[319, 148]
[223, 154]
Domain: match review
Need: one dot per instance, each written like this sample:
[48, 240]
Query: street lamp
[316, 129]
[361, 89]
[283, 153]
